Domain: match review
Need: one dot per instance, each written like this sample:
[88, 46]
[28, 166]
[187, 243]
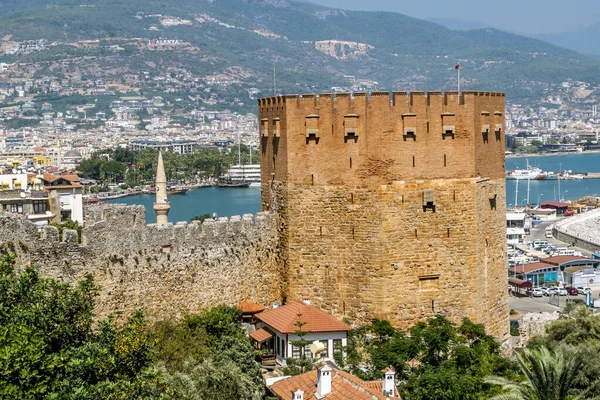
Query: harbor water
[540, 191]
[228, 202]
[225, 202]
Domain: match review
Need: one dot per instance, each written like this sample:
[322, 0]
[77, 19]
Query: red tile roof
[284, 319]
[69, 178]
[527, 268]
[249, 307]
[343, 387]
[74, 185]
[557, 260]
[261, 335]
[553, 203]
[549, 262]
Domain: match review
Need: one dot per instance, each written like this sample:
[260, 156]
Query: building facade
[390, 206]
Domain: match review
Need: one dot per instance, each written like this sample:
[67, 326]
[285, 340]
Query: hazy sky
[526, 16]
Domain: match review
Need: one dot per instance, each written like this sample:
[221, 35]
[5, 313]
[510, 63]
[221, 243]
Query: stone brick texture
[167, 270]
[390, 205]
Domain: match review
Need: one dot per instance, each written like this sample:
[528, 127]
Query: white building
[70, 195]
[515, 228]
[328, 382]
[277, 329]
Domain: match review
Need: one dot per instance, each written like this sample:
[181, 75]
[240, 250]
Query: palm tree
[549, 375]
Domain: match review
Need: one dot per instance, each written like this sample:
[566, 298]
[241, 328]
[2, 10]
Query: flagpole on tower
[457, 68]
[458, 80]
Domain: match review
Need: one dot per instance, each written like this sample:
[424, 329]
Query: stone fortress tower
[161, 206]
[390, 205]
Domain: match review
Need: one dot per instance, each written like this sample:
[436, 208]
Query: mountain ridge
[310, 45]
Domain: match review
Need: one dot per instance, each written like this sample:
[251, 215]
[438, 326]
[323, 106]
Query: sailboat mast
[559, 176]
[528, 180]
[517, 194]
[239, 149]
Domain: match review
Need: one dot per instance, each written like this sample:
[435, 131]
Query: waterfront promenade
[580, 230]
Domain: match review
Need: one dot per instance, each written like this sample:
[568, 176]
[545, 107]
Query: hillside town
[374, 240]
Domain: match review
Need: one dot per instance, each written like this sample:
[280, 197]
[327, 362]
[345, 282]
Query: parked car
[545, 291]
[583, 290]
[537, 292]
[549, 249]
[562, 292]
[572, 291]
[538, 244]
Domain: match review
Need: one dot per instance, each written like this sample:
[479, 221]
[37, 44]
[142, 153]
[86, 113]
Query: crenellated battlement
[168, 269]
[346, 137]
[115, 220]
[392, 99]
[391, 205]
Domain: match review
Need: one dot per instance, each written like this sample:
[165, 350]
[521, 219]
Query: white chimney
[388, 383]
[306, 300]
[323, 381]
[298, 395]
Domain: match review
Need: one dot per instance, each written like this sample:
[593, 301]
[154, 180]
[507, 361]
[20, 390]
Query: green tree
[295, 366]
[201, 218]
[91, 167]
[49, 349]
[68, 224]
[209, 380]
[112, 171]
[549, 375]
[536, 143]
[435, 359]
[208, 356]
[576, 330]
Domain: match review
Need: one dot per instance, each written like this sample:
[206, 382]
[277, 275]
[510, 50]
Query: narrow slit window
[351, 126]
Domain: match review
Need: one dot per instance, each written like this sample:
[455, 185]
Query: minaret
[162, 206]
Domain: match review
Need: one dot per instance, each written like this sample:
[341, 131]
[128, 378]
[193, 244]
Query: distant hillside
[586, 41]
[311, 47]
[458, 24]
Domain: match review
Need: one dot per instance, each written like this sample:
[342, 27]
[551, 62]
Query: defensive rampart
[168, 270]
[391, 205]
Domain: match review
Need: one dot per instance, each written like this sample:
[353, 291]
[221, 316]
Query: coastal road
[539, 233]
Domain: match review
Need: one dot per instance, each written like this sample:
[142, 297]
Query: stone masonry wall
[390, 205]
[169, 270]
[375, 252]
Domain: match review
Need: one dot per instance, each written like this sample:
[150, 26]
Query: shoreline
[527, 155]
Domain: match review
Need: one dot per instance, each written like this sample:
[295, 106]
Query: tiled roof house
[329, 383]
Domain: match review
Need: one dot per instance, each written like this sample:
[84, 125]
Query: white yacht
[245, 173]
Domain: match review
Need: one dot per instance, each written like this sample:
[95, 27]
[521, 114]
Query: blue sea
[229, 201]
[540, 191]
[225, 202]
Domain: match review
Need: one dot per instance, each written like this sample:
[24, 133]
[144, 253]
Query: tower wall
[390, 206]
[168, 270]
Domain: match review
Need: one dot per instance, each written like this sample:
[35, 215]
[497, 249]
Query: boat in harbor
[227, 182]
[531, 173]
[177, 190]
[245, 173]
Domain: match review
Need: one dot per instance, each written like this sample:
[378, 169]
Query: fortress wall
[396, 137]
[373, 251]
[351, 182]
[167, 270]
[491, 288]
